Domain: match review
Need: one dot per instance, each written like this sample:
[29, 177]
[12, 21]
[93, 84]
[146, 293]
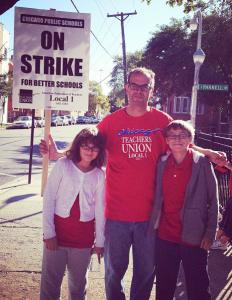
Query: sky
[138, 28]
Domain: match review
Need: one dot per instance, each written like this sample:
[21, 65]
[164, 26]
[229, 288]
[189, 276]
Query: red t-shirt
[133, 145]
[71, 232]
[175, 180]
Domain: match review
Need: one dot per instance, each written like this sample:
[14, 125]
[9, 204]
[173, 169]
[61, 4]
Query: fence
[219, 143]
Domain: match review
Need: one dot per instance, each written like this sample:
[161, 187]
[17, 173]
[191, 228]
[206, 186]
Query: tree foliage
[98, 102]
[218, 6]
[169, 54]
[117, 94]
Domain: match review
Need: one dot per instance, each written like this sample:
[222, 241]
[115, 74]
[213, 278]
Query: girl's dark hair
[84, 137]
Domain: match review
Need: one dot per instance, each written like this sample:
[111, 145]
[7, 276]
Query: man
[134, 142]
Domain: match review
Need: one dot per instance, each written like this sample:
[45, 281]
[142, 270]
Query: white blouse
[65, 182]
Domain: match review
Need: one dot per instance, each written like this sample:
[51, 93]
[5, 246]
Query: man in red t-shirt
[134, 143]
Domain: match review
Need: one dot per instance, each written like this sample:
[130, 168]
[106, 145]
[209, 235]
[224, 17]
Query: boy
[185, 213]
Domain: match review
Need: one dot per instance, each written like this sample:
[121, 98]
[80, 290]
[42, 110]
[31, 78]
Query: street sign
[213, 87]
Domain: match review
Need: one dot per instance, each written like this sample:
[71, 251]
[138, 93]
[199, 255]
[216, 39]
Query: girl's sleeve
[49, 200]
[100, 211]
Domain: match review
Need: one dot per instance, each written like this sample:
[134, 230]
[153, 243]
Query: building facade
[4, 72]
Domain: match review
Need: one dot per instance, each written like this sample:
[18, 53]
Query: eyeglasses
[87, 148]
[136, 87]
[182, 136]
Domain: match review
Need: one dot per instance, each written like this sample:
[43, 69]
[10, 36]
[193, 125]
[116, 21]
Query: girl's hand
[206, 243]
[50, 149]
[51, 244]
[224, 239]
[219, 234]
[99, 251]
[217, 157]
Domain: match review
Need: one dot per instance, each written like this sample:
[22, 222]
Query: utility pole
[122, 17]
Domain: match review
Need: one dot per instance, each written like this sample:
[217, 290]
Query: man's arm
[217, 157]
[54, 153]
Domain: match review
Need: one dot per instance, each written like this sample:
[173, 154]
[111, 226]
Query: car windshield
[22, 119]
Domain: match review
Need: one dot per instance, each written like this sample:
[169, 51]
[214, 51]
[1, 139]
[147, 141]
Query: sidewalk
[21, 251]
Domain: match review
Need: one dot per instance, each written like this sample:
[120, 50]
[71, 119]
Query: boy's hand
[99, 251]
[51, 148]
[51, 244]
[206, 243]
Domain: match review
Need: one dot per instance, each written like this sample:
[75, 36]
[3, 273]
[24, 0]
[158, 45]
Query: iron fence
[219, 143]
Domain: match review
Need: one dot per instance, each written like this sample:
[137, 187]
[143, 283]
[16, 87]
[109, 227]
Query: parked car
[71, 119]
[91, 120]
[65, 120]
[22, 122]
[39, 122]
[81, 120]
[94, 120]
[56, 121]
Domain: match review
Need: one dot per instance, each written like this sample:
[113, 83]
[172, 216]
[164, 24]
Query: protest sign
[51, 60]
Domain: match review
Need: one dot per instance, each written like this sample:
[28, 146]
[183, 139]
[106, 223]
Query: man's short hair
[180, 124]
[144, 71]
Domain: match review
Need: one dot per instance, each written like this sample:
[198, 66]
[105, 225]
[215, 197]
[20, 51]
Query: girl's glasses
[88, 148]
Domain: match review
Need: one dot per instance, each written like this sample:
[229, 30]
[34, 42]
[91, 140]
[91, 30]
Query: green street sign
[213, 87]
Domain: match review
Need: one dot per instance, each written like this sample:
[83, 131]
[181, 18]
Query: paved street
[15, 149]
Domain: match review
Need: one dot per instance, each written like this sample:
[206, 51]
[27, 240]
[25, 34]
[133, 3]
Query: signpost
[51, 63]
[213, 87]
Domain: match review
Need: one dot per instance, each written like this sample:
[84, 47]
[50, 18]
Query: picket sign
[51, 63]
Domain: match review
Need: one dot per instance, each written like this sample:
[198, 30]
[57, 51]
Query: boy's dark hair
[85, 136]
[180, 124]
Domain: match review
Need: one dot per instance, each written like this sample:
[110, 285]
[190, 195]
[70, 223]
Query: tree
[117, 94]
[217, 68]
[169, 54]
[98, 102]
[6, 82]
[218, 6]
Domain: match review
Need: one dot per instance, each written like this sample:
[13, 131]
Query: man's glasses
[181, 136]
[88, 148]
[137, 87]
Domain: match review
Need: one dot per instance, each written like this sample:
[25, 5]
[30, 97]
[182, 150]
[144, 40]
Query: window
[182, 106]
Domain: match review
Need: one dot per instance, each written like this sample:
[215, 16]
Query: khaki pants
[53, 269]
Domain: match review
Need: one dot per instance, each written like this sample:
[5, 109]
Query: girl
[73, 198]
